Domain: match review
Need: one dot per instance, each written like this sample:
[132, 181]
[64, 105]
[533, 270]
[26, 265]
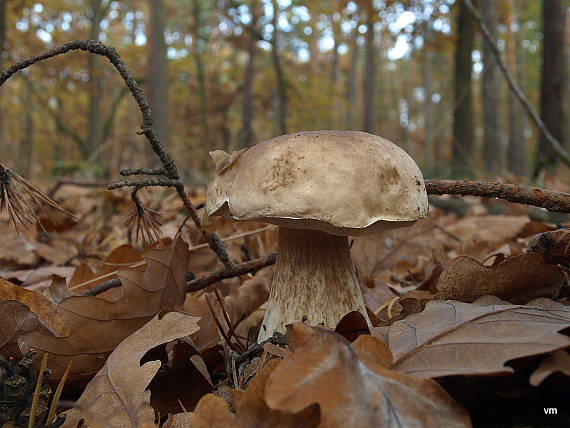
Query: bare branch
[552, 201]
[147, 129]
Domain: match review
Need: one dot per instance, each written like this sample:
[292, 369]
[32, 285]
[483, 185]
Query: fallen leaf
[117, 394]
[96, 326]
[517, 279]
[557, 361]
[355, 391]
[250, 409]
[554, 246]
[454, 338]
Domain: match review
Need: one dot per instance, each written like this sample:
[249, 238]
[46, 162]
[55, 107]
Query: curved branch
[147, 129]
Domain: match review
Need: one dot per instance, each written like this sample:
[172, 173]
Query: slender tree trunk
[427, 78]
[158, 75]
[25, 152]
[197, 51]
[491, 92]
[95, 82]
[313, 48]
[552, 92]
[516, 149]
[2, 42]
[463, 131]
[403, 104]
[369, 76]
[281, 92]
[336, 108]
[246, 134]
[351, 89]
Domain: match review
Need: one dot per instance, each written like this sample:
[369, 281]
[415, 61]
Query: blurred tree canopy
[222, 74]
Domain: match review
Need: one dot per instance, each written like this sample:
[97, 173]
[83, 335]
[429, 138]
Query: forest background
[225, 74]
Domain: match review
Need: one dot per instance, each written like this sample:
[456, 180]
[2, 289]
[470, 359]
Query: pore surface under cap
[340, 182]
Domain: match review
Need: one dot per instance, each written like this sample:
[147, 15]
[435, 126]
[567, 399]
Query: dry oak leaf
[97, 326]
[517, 279]
[250, 409]
[353, 386]
[454, 338]
[117, 395]
[558, 361]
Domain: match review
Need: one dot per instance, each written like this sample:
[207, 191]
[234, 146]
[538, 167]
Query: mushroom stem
[314, 281]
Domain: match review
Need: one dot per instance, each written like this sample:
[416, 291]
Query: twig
[220, 328]
[192, 283]
[160, 182]
[227, 319]
[552, 201]
[147, 129]
[143, 171]
[563, 154]
[68, 182]
[236, 270]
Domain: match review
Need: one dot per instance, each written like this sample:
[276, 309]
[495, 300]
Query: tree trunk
[313, 48]
[427, 78]
[95, 84]
[552, 92]
[369, 75]
[336, 107]
[516, 149]
[26, 147]
[158, 76]
[281, 93]
[351, 89]
[2, 42]
[463, 131]
[491, 92]
[246, 134]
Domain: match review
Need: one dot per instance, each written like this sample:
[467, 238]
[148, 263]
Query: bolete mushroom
[319, 188]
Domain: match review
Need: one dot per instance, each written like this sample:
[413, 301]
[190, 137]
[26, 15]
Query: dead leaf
[553, 246]
[351, 391]
[454, 338]
[179, 420]
[37, 306]
[97, 326]
[250, 409]
[557, 361]
[518, 279]
[117, 394]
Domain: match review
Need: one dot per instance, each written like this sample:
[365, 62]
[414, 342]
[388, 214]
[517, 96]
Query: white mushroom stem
[314, 282]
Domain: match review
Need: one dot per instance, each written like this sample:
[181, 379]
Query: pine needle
[143, 221]
[36, 398]
[20, 197]
[55, 399]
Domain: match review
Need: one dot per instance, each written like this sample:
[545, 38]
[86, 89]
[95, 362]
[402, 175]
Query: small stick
[220, 328]
[236, 270]
[552, 201]
[227, 319]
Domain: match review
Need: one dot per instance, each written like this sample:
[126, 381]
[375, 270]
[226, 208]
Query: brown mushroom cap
[338, 182]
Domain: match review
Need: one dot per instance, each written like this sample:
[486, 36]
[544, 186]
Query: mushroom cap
[339, 182]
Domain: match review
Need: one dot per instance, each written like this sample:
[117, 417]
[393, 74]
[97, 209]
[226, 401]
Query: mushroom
[319, 187]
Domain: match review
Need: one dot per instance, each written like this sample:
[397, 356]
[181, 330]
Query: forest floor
[470, 309]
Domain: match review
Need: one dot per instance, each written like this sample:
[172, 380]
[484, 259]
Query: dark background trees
[224, 74]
